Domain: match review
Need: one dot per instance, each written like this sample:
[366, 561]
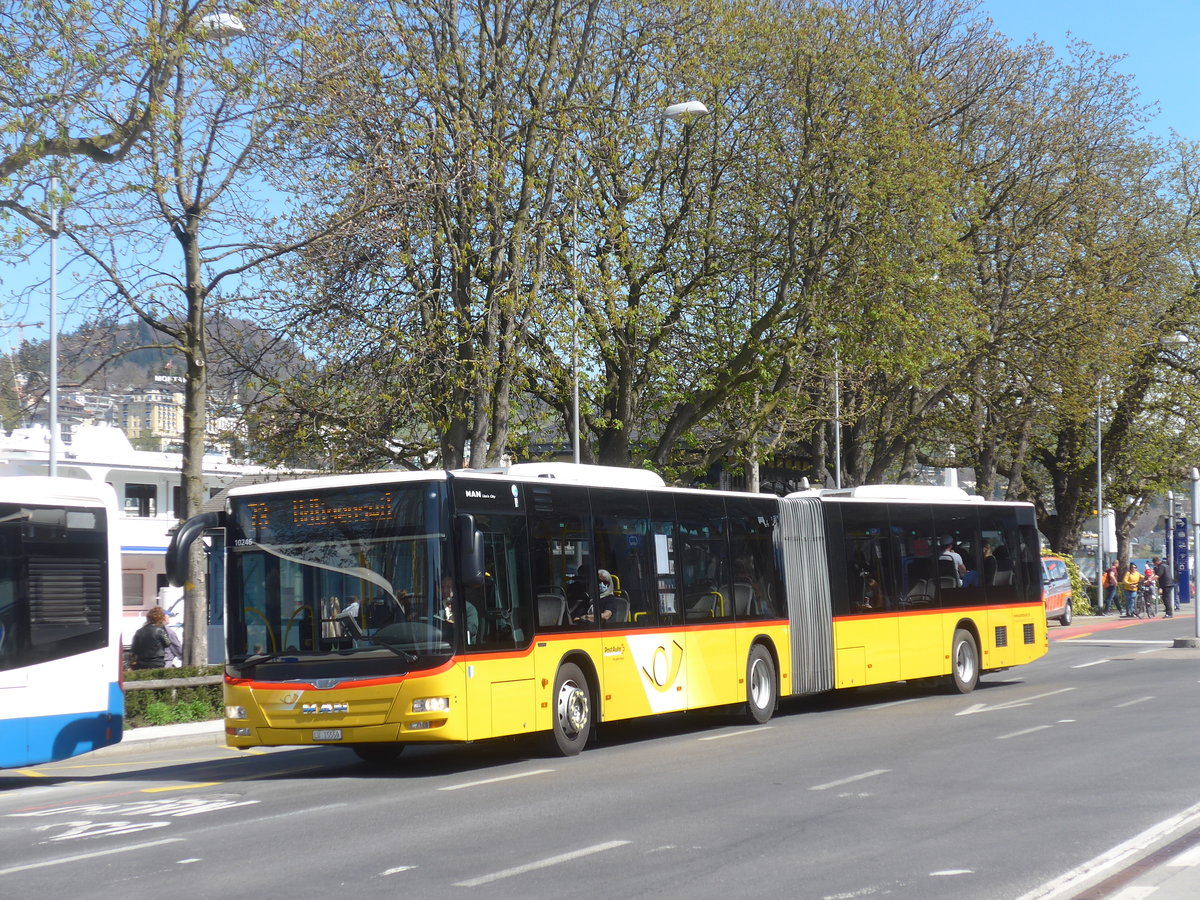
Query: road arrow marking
[1011, 704]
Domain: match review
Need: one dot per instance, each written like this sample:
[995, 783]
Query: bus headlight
[235, 712]
[431, 704]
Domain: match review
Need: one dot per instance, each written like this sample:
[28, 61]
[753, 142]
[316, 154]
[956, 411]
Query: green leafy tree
[82, 82]
[195, 186]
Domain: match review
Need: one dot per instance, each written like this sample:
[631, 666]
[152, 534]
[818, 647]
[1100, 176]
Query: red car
[1056, 588]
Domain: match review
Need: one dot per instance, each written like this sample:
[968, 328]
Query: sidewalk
[210, 733]
[1160, 866]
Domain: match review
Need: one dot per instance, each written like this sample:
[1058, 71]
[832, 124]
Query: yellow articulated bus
[373, 611]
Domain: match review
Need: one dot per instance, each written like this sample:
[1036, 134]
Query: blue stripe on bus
[40, 739]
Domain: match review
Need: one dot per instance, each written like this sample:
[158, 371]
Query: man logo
[324, 709]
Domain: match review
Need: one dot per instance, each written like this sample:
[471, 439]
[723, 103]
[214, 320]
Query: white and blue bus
[60, 620]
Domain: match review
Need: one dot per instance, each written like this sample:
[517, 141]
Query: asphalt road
[1074, 776]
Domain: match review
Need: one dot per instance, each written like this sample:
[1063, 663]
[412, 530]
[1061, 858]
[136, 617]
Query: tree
[471, 104]
[174, 228]
[82, 82]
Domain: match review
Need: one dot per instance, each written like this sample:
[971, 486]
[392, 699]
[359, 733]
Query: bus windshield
[349, 572]
[53, 583]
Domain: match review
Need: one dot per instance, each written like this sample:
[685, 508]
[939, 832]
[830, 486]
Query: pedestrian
[175, 655]
[1129, 584]
[151, 647]
[1166, 585]
[1111, 580]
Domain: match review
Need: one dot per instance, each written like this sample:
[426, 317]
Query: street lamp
[221, 25]
[676, 112]
[1169, 340]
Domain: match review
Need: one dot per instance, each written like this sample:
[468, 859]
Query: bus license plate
[327, 734]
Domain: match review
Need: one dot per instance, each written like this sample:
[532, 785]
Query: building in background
[149, 496]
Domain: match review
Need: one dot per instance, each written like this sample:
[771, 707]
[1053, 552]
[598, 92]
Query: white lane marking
[1151, 650]
[396, 869]
[850, 780]
[718, 737]
[952, 872]
[1069, 881]
[184, 862]
[1097, 662]
[1013, 734]
[1186, 859]
[179, 806]
[483, 781]
[897, 703]
[274, 816]
[86, 828]
[541, 864]
[1135, 892]
[1103, 643]
[1132, 702]
[1010, 704]
[62, 860]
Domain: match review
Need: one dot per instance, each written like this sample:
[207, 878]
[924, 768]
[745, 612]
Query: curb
[210, 733]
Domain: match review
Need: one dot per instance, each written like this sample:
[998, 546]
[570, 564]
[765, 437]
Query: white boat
[149, 498]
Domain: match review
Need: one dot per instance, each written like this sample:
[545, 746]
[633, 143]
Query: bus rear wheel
[762, 687]
[964, 661]
[572, 710]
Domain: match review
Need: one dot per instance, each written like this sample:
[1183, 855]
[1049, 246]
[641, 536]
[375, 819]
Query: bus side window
[623, 545]
[561, 550]
[958, 556]
[1000, 544]
[704, 558]
[663, 593]
[504, 613]
[916, 574]
[865, 528]
[752, 526]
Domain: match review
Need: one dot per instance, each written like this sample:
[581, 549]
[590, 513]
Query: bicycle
[1146, 602]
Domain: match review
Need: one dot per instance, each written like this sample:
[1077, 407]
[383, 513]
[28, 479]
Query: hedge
[166, 706]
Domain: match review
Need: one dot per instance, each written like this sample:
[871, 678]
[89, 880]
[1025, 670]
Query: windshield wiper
[255, 658]
[406, 655]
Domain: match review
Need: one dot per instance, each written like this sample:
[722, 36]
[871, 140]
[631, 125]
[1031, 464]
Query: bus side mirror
[470, 550]
[181, 543]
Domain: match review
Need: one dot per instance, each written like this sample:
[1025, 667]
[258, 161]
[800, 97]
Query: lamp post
[1195, 476]
[1169, 549]
[676, 112]
[837, 419]
[52, 469]
[1170, 340]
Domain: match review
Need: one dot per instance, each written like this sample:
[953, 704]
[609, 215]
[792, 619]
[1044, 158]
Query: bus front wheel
[762, 687]
[377, 753]
[572, 710]
[964, 661]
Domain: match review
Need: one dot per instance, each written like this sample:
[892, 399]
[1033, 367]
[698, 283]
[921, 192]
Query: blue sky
[1158, 38]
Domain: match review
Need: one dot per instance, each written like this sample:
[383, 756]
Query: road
[1028, 787]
